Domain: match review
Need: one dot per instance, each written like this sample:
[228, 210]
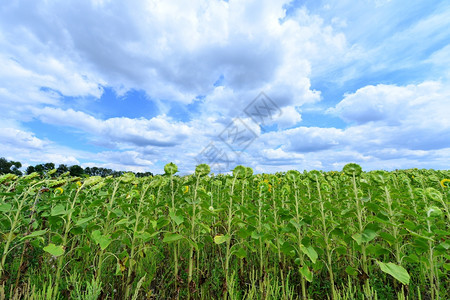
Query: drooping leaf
[310, 252]
[366, 236]
[121, 222]
[239, 252]
[34, 234]
[433, 194]
[307, 274]
[172, 237]
[83, 221]
[177, 219]
[434, 211]
[398, 272]
[101, 240]
[288, 249]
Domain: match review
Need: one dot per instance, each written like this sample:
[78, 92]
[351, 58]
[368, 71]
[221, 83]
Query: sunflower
[443, 183]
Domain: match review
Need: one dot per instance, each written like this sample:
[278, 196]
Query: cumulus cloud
[394, 104]
[160, 131]
[218, 56]
[20, 139]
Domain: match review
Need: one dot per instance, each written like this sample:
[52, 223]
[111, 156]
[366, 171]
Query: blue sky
[134, 85]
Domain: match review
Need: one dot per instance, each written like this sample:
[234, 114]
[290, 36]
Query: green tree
[76, 170]
[62, 169]
[30, 169]
[10, 166]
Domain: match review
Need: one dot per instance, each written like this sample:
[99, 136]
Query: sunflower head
[445, 183]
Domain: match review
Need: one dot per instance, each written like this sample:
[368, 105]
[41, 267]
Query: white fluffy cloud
[389, 127]
[220, 55]
[160, 131]
[424, 103]
[19, 138]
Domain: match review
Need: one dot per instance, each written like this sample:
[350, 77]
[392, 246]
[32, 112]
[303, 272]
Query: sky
[270, 84]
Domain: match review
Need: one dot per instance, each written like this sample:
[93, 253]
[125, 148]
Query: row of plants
[289, 235]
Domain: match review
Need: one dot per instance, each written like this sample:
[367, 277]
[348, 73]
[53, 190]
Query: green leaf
[205, 227]
[177, 219]
[256, 235]
[145, 236]
[5, 207]
[220, 238]
[123, 221]
[100, 239]
[398, 272]
[193, 244]
[288, 249]
[310, 252]
[172, 237]
[377, 250]
[297, 225]
[388, 237]
[240, 252]
[351, 271]
[58, 210]
[365, 237]
[409, 225]
[419, 235]
[434, 211]
[82, 221]
[447, 267]
[244, 233]
[412, 258]
[433, 194]
[306, 273]
[34, 234]
[54, 250]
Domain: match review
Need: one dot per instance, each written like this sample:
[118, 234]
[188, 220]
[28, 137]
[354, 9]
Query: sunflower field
[290, 235]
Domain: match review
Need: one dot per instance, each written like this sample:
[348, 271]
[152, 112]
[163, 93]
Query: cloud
[421, 105]
[56, 55]
[141, 46]
[388, 127]
[159, 131]
[311, 139]
[289, 117]
[125, 158]
[20, 139]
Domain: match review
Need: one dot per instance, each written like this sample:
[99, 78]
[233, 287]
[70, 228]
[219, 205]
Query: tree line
[75, 170]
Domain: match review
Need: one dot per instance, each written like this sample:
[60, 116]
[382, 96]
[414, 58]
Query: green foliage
[398, 272]
[319, 235]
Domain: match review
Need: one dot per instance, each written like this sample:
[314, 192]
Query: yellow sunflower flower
[443, 181]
